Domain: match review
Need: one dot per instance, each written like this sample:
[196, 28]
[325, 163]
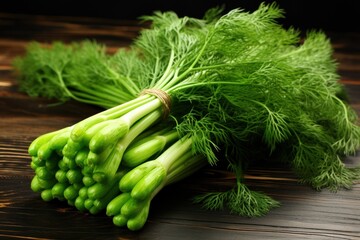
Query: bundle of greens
[186, 93]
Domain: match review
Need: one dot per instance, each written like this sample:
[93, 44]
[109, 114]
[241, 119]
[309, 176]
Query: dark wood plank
[304, 213]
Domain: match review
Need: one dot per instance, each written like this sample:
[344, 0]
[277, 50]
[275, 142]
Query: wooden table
[304, 214]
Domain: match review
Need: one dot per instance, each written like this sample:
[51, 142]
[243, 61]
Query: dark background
[331, 15]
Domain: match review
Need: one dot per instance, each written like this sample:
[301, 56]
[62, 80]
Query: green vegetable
[233, 87]
[148, 146]
[142, 183]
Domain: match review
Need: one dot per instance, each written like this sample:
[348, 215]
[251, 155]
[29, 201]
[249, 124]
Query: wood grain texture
[304, 213]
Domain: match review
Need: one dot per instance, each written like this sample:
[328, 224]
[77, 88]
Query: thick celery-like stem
[184, 167]
[146, 147]
[143, 180]
[131, 210]
[141, 111]
[175, 151]
[111, 165]
[78, 132]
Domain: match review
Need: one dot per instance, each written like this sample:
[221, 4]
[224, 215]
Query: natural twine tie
[163, 97]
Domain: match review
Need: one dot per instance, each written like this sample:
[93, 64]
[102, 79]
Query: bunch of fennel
[189, 92]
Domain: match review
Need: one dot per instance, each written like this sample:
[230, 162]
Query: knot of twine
[164, 98]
